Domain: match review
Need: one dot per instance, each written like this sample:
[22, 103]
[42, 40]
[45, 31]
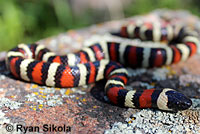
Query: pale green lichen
[3, 120]
[5, 102]
[146, 85]
[50, 96]
[135, 72]
[156, 122]
[1, 89]
[188, 78]
[31, 97]
[160, 74]
[2, 77]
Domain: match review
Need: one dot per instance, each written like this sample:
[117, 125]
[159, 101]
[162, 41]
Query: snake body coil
[102, 60]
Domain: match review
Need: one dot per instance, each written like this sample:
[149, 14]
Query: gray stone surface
[86, 109]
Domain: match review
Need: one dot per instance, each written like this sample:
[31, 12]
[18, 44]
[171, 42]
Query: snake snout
[178, 101]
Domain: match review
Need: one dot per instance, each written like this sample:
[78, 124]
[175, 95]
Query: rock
[34, 105]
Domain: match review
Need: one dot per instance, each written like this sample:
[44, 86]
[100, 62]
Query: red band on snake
[106, 60]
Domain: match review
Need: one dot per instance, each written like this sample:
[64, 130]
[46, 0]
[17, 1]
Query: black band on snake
[106, 60]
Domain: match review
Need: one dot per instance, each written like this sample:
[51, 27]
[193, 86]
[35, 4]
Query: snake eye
[178, 101]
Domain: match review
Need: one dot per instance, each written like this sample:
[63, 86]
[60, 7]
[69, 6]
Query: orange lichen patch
[153, 84]
[13, 96]
[167, 67]
[36, 93]
[41, 88]
[34, 86]
[94, 106]
[188, 84]
[33, 107]
[40, 106]
[171, 71]
[37, 107]
[57, 88]
[68, 91]
[40, 95]
[130, 121]
[133, 118]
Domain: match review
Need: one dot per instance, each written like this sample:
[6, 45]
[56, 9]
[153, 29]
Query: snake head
[171, 100]
[177, 100]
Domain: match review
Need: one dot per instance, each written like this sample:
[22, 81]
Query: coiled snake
[104, 60]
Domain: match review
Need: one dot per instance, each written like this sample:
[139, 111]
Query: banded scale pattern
[105, 60]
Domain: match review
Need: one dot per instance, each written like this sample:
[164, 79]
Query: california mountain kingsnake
[35, 63]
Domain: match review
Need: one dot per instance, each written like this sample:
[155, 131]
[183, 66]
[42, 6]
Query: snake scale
[106, 60]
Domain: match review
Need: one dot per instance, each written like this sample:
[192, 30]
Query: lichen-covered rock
[86, 109]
